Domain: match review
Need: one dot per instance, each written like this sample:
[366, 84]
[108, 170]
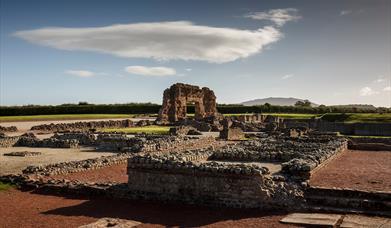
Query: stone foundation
[233, 133]
[8, 129]
[86, 125]
[214, 184]
[8, 141]
[150, 143]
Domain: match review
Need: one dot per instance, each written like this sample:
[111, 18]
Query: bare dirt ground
[12, 164]
[117, 173]
[354, 169]
[27, 209]
[114, 173]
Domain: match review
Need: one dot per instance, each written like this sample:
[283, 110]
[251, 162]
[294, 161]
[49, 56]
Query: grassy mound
[5, 186]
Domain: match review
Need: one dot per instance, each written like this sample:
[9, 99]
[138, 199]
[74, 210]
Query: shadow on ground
[159, 213]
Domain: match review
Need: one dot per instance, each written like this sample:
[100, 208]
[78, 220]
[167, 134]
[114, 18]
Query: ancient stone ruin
[178, 96]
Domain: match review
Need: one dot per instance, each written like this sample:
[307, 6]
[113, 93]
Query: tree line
[149, 108]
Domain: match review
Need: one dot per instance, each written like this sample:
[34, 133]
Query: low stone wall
[30, 140]
[370, 143]
[77, 166]
[50, 142]
[87, 125]
[386, 141]
[149, 143]
[300, 168]
[300, 155]
[370, 202]
[231, 185]
[84, 138]
[184, 130]
[8, 141]
[232, 133]
[8, 129]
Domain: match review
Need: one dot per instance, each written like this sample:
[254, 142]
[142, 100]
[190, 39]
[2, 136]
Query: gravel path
[25, 209]
[11, 164]
[361, 170]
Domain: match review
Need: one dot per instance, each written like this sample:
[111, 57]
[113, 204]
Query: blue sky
[331, 52]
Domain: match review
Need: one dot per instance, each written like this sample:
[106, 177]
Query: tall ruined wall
[176, 98]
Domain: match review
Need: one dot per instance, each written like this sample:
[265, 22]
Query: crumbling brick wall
[176, 98]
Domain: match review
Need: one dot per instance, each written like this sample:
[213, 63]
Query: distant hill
[282, 101]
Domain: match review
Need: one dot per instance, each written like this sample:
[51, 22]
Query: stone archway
[176, 98]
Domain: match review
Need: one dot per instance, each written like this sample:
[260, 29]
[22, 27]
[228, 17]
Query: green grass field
[152, 129]
[284, 115]
[4, 186]
[358, 117]
[294, 115]
[340, 117]
[63, 117]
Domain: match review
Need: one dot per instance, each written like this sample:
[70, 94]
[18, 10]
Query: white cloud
[380, 79]
[181, 40]
[287, 76]
[345, 12]
[81, 73]
[350, 12]
[278, 16]
[367, 91]
[388, 88]
[188, 69]
[150, 71]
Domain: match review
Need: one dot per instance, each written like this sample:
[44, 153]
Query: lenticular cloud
[179, 40]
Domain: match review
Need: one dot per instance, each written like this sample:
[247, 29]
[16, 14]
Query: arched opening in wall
[190, 109]
[194, 109]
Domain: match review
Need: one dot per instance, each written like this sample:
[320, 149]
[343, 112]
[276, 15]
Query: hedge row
[79, 109]
[154, 108]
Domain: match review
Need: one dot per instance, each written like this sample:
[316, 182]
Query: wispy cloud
[380, 79]
[388, 88]
[287, 76]
[151, 71]
[181, 40]
[367, 91]
[345, 12]
[277, 16]
[81, 73]
[350, 12]
[188, 69]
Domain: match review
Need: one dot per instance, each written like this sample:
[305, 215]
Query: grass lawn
[63, 117]
[284, 115]
[4, 186]
[358, 117]
[294, 115]
[362, 136]
[340, 117]
[152, 129]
